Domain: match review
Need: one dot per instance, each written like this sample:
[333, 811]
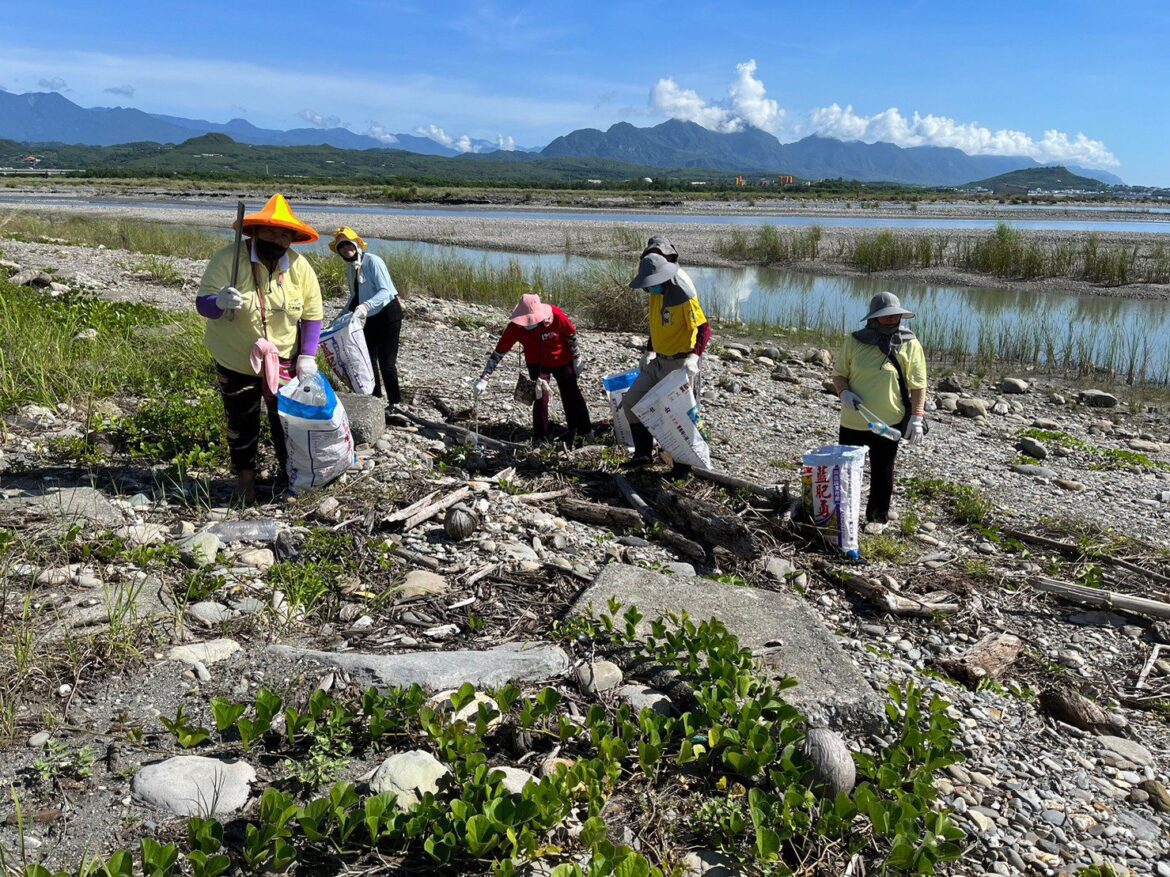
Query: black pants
[576, 411]
[882, 452]
[382, 331]
[242, 396]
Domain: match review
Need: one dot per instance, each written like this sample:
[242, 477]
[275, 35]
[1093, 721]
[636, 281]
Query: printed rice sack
[316, 433]
[344, 346]
[831, 479]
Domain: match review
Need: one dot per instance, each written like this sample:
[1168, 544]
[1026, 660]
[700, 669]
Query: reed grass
[136, 236]
[770, 245]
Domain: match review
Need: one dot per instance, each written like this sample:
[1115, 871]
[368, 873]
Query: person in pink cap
[549, 339]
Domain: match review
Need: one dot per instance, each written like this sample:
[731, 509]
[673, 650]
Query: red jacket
[546, 345]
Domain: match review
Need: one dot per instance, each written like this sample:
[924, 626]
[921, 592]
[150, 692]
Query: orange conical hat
[278, 214]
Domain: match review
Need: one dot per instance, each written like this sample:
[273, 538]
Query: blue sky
[987, 77]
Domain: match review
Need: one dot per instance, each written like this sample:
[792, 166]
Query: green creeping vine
[737, 748]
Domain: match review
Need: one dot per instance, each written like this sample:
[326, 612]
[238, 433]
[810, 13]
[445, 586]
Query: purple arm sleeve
[205, 305]
[310, 337]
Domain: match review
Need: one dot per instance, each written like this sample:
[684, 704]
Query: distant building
[32, 161]
[786, 180]
[698, 182]
[647, 179]
[739, 181]
[594, 182]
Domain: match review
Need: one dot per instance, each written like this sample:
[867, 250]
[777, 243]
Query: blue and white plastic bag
[316, 433]
[832, 480]
[670, 412]
[344, 346]
[615, 390]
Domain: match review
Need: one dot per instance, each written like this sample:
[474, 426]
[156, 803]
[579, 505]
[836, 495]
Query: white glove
[360, 314]
[229, 299]
[914, 431]
[648, 357]
[850, 400]
[541, 389]
[691, 365]
[578, 365]
[480, 387]
[306, 367]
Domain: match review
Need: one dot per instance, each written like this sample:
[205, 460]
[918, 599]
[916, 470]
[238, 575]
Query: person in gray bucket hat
[679, 335]
[883, 368]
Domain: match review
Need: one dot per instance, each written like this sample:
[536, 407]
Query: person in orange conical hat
[275, 309]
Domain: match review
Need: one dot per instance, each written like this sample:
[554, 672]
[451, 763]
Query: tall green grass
[47, 356]
[1004, 252]
[770, 244]
[134, 235]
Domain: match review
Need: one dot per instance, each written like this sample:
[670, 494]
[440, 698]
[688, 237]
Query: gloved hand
[647, 357]
[691, 365]
[914, 430]
[578, 365]
[360, 314]
[542, 389]
[851, 400]
[480, 387]
[229, 299]
[306, 367]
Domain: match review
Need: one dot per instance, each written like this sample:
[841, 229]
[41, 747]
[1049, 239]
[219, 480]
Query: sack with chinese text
[831, 480]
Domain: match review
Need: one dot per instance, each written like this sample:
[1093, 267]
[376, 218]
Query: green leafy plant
[188, 735]
[62, 761]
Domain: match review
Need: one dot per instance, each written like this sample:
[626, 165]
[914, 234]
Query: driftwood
[987, 659]
[706, 523]
[461, 433]
[599, 513]
[1105, 599]
[431, 509]
[659, 529]
[777, 494]
[1141, 680]
[1071, 707]
[530, 498]
[897, 604]
[1075, 551]
[403, 513]
[412, 556]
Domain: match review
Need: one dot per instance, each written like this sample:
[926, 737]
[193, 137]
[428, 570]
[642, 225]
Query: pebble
[39, 739]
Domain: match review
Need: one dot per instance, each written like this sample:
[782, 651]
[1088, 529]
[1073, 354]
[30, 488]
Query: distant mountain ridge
[49, 117]
[676, 143]
[40, 118]
[1048, 179]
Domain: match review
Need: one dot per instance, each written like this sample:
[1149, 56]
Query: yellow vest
[287, 299]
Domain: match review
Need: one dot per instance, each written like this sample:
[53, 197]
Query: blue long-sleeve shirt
[376, 289]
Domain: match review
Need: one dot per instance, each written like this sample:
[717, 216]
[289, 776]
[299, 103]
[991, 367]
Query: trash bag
[316, 433]
[831, 481]
[344, 346]
[615, 390]
[670, 412]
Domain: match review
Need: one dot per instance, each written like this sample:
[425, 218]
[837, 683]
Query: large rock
[199, 549]
[1031, 447]
[491, 668]
[367, 416]
[191, 785]
[409, 775]
[422, 583]
[1013, 386]
[71, 505]
[209, 652]
[971, 407]
[1097, 399]
[831, 687]
[1124, 753]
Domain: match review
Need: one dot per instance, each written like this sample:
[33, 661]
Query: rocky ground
[1036, 794]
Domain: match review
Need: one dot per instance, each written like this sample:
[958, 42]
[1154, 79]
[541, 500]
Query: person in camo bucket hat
[882, 367]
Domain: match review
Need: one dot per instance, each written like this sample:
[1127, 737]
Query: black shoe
[680, 470]
[636, 462]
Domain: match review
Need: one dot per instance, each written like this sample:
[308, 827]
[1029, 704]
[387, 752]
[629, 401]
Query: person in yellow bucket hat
[275, 308]
[373, 300]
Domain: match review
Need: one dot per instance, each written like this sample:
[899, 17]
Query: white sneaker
[874, 527]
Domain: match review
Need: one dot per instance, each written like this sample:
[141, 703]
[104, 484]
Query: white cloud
[379, 133]
[54, 84]
[746, 104]
[892, 126]
[505, 144]
[748, 101]
[460, 144]
[127, 90]
[319, 121]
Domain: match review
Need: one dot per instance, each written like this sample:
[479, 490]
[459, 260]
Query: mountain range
[48, 117]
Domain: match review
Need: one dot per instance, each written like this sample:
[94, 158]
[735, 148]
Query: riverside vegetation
[726, 774]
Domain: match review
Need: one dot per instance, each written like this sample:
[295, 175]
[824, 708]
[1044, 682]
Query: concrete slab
[831, 687]
[71, 505]
[490, 668]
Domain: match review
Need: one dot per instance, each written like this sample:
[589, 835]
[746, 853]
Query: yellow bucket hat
[277, 214]
[343, 234]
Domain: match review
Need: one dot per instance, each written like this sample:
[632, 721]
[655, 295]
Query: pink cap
[531, 311]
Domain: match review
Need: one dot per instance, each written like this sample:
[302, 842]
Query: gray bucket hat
[653, 269]
[886, 304]
[659, 244]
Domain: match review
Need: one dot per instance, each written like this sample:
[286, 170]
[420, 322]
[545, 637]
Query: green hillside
[220, 157]
[1048, 179]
